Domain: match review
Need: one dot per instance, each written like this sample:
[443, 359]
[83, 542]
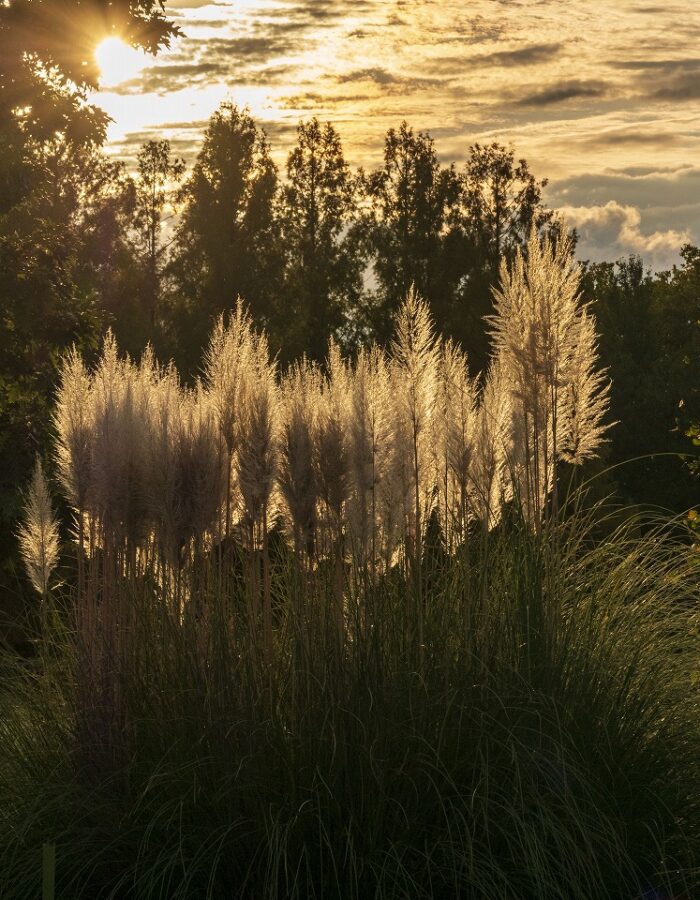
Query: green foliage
[500, 202]
[84, 245]
[63, 211]
[274, 672]
[411, 197]
[446, 232]
[158, 174]
[45, 306]
[550, 750]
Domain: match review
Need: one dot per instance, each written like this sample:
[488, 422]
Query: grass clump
[336, 633]
[551, 751]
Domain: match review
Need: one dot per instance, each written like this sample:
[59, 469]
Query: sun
[118, 62]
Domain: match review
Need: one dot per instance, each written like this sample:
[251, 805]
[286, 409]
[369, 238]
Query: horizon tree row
[325, 252]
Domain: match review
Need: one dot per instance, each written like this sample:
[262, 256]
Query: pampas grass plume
[38, 534]
[300, 395]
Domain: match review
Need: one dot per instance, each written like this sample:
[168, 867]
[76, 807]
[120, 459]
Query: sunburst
[118, 62]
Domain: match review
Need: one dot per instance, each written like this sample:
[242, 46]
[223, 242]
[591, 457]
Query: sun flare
[118, 62]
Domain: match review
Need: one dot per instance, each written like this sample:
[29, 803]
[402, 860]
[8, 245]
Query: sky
[601, 98]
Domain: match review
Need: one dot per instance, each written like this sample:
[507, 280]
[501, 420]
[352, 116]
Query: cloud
[682, 86]
[312, 100]
[386, 79]
[614, 98]
[613, 230]
[223, 60]
[186, 137]
[666, 79]
[250, 48]
[480, 30]
[161, 79]
[378, 76]
[207, 23]
[646, 190]
[524, 56]
[646, 171]
[671, 65]
[562, 91]
[632, 136]
[191, 4]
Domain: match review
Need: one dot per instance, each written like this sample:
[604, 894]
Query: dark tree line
[317, 253]
[326, 252]
[649, 328]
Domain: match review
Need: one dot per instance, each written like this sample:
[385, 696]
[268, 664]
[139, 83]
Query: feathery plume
[300, 393]
[38, 535]
[118, 462]
[226, 361]
[257, 432]
[331, 452]
[163, 448]
[414, 374]
[538, 330]
[414, 357]
[453, 440]
[370, 450]
[201, 477]
[587, 396]
[493, 445]
[74, 422]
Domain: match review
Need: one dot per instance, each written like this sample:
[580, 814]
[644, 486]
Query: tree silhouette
[228, 242]
[323, 268]
[412, 199]
[650, 338]
[157, 175]
[47, 63]
[64, 211]
[500, 201]
[48, 300]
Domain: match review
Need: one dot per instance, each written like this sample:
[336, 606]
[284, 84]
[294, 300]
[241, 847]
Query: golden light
[118, 62]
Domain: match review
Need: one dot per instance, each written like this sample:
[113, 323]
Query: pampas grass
[545, 341]
[300, 401]
[331, 634]
[354, 461]
[38, 535]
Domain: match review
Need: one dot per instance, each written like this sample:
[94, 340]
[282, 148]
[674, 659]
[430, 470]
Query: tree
[412, 199]
[500, 200]
[44, 308]
[157, 173]
[228, 241]
[107, 263]
[649, 337]
[63, 213]
[323, 271]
